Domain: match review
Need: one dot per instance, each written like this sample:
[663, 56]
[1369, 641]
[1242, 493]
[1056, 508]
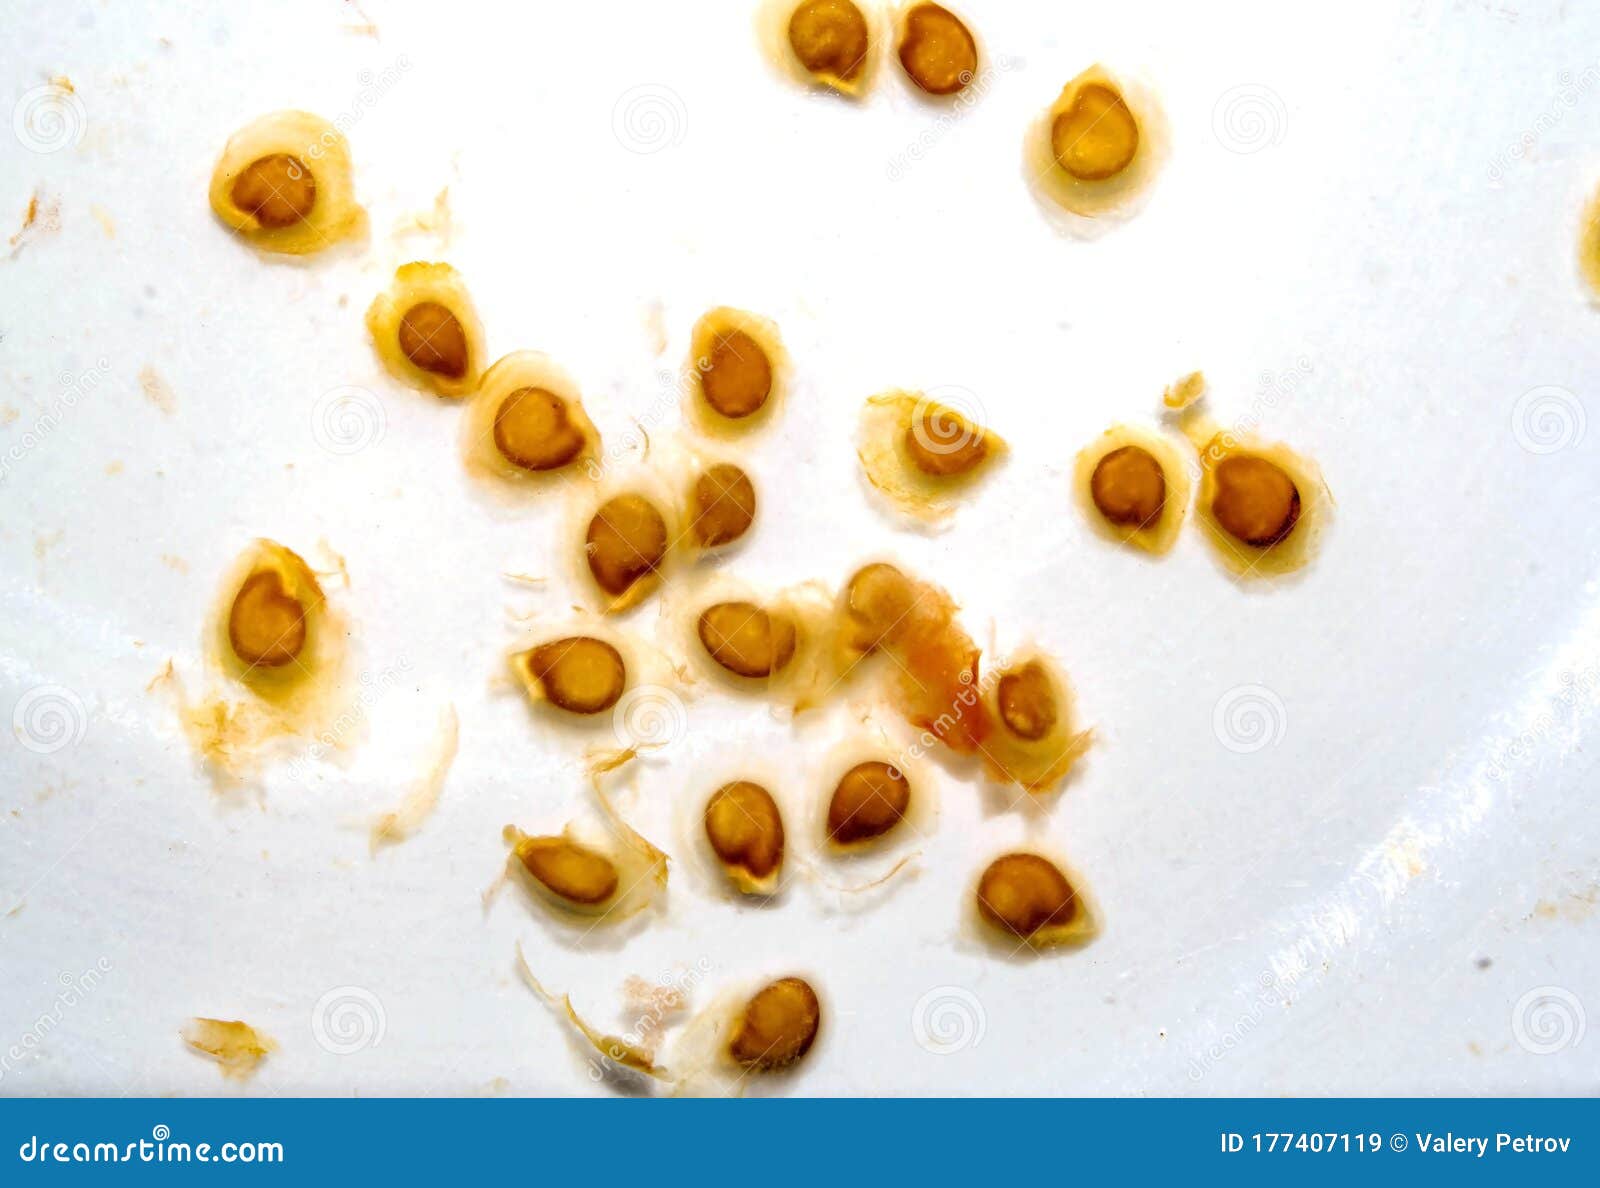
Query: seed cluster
[1094, 150]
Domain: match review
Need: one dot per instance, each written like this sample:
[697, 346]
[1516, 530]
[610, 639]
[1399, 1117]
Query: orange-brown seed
[1097, 137]
[1129, 487]
[736, 375]
[570, 871]
[778, 1026]
[278, 189]
[870, 799]
[724, 501]
[581, 674]
[937, 50]
[942, 443]
[1255, 500]
[1022, 893]
[745, 828]
[533, 429]
[266, 624]
[433, 339]
[745, 639]
[627, 539]
[830, 38]
[1028, 702]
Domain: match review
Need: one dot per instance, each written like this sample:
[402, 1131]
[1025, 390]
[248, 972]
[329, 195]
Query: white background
[1370, 247]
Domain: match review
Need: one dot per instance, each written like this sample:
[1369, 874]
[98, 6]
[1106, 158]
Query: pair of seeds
[833, 42]
[1256, 501]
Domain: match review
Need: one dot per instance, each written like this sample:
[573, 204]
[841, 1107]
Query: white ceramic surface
[1365, 237]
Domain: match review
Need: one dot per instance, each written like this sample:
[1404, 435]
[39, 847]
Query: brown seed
[627, 539]
[830, 38]
[937, 50]
[533, 429]
[433, 339]
[1255, 500]
[778, 1026]
[736, 376]
[724, 505]
[870, 799]
[745, 639]
[1129, 487]
[278, 189]
[1097, 136]
[572, 872]
[877, 599]
[580, 673]
[1022, 893]
[266, 624]
[943, 443]
[745, 828]
[1028, 701]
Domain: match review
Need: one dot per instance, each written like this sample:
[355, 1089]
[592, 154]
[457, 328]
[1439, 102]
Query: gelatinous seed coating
[736, 376]
[627, 539]
[871, 799]
[1022, 893]
[745, 639]
[571, 871]
[581, 674]
[1255, 500]
[1097, 136]
[830, 38]
[878, 597]
[745, 828]
[1028, 701]
[267, 624]
[533, 429]
[937, 50]
[433, 339]
[942, 443]
[278, 189]
[778, 1026]
[724, 505]
[1129, 487]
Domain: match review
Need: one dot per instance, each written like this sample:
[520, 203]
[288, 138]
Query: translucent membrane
[426, 330]
[737, 373]
[601, 870]
[1133, 486]
[1035, 738]
[526, 426]
[922, 455]
[283, 183]
[1097, 149]
[1262, 506]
